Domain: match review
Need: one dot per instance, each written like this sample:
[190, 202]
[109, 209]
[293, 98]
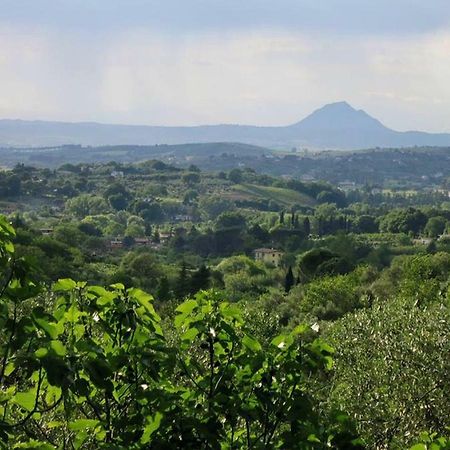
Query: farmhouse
[46, 231]
[268, 255]
[116, 243]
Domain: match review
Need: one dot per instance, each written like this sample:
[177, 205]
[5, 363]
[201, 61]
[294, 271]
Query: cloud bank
[197, 62]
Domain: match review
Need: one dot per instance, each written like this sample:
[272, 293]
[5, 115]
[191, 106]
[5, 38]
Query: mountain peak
[339, 116]
[337, 106]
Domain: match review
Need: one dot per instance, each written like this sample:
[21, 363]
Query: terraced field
[282, 196]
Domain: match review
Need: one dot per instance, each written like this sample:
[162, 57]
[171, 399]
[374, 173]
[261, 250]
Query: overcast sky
[264, 62]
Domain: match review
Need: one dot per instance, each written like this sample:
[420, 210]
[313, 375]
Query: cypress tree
[200, 279]
[289, 280]
[163, 292]
[182, 287]
[307, 226]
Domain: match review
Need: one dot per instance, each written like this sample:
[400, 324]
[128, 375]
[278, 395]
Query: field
[283, 196]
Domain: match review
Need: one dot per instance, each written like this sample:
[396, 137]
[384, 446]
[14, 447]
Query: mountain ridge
[336, 126]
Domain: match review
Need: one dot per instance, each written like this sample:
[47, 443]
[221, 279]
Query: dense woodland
[135, 314]
[397, 168]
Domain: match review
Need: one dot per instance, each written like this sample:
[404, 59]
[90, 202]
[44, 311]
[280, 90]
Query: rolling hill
[334, 126]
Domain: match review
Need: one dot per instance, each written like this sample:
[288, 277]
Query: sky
[189, 62]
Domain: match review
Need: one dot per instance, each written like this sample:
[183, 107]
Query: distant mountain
[340, 126]
[334, 126]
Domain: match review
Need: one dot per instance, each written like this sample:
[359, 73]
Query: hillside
[76, 154]
[334, 126]
[116, 273]
[421, 166]
[282, 196]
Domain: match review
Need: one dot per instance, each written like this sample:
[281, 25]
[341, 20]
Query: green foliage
[246, 396]
[244, 278]
[432, 441]
[212, 206]
[85, 205]
[90, 367]
[366, 224]
[384, 318]
[191, 178]
[435, 226]
[322, 261]
[235, 175]
[289, 280]
[391, 370]
[330, 297]
[404, 221]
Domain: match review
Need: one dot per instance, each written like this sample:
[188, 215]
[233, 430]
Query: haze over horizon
[264, 62]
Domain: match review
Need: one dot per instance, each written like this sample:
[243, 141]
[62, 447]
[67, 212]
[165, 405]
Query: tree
[322, 261]
[332, 196]
[128, 241]
[229, 232]
[163, 292]
[435, 226]
[152, 213]
[92, 367]
[191, 178]
[85, 205]
[259, 233]
[118, 201]
[289, 280]
[193, 168]
[391, 370]
[235, 176]
[144, 266]
[331, 297]
[307, 226]
[190, 196]
[182, 287]
[404, 221]
[230, 221]
[135, 230]
[89, 229]
[200, 279]
[213, 206]
[366, 224]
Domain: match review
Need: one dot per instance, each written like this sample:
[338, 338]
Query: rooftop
[267, 250]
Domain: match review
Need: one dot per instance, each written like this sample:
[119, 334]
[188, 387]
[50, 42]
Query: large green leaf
[251, 343]
[46, 322]
[187, 307]
[65, 284]
[190, 334]
[58, 348]
[152, 425]
[82, 424]
[26, 400]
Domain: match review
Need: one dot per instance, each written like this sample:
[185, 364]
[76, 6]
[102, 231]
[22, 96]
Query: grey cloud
[174, 16]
